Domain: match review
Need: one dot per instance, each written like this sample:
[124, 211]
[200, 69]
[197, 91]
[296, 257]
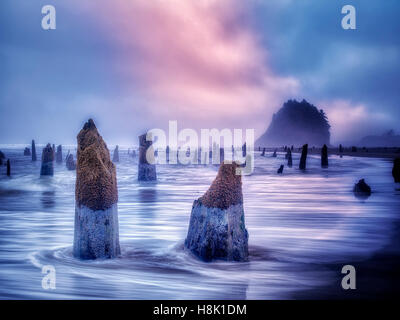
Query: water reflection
[362, 197]
[48, 199]
[147, 194]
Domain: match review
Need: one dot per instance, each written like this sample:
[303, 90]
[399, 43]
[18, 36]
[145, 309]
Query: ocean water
[298, 223]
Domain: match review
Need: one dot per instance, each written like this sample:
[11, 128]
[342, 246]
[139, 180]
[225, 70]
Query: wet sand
[376, 278]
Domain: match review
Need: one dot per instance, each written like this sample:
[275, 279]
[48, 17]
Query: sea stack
[280, 170]
[59, 158]
[116, 155]
[217, 229]
[289, 158]
[47, 161]
[8, 168]
[34, 158]
[396, 170]
[303, 159]
[27, 151]
[146, 170]
[324, 156]
[361, 189]
[70, 163]
[96, 213]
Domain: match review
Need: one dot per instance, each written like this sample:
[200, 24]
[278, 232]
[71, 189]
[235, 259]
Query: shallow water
[298, 223]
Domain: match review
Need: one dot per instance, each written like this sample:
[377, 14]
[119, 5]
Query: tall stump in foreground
[34, 157]
[146, 170]
[217, 229]
[303, 159]
[96, 213]
[47, 168]
[324, 156]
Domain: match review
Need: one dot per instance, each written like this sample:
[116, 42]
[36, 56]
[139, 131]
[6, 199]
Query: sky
[134, 65]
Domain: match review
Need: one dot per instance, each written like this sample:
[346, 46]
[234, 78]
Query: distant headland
[388, 139]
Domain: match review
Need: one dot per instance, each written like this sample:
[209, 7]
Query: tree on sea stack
[217, 228]
[96, 213]
[47, 168]
[296, 122]
[146, 169]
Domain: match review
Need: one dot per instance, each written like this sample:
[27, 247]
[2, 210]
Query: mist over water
[298, 223]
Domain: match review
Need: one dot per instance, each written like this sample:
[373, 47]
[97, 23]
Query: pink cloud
[351, 121]
[195, 61]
